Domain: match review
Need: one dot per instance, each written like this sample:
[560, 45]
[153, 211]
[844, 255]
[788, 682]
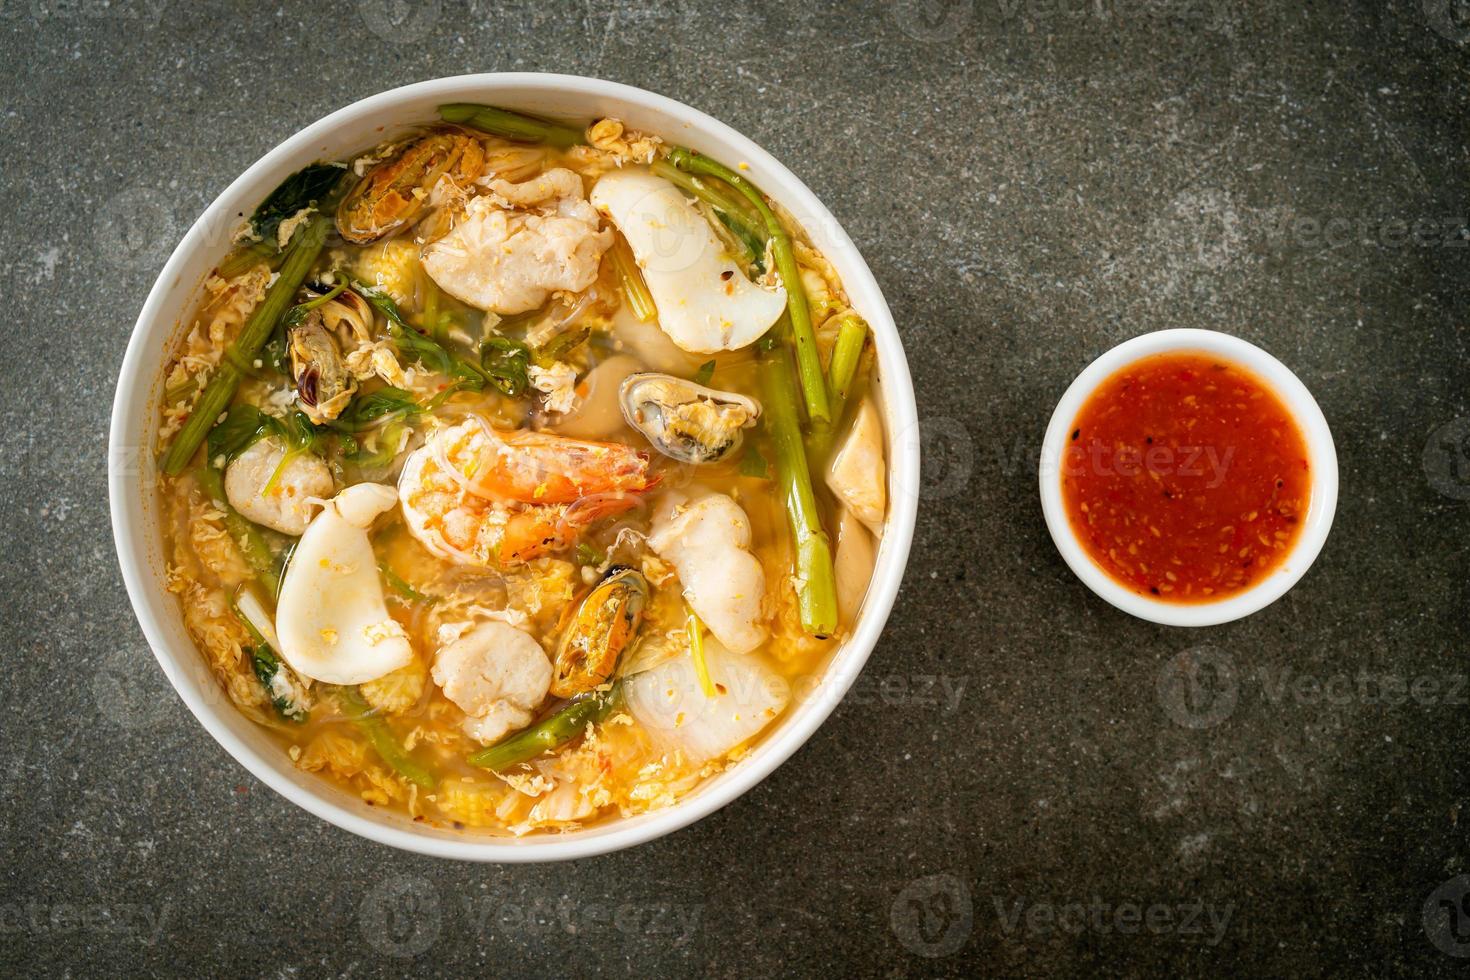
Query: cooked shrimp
[498, 675]
[281, 507]
[481, 497]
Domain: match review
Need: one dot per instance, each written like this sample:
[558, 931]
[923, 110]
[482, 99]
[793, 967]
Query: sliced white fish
[510, 261]
[284, 506]
[707, 540]
[332, 622]
[705, 302]
[498, 675]
[669, 703]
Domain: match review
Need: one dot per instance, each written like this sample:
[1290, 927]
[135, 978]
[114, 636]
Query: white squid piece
[332, 622]
[498, 675]
[707, 540]
[705, 302]
[509, 261]
[669, 703]
[284, 506]
[857, 474]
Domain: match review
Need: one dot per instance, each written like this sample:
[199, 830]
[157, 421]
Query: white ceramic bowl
[132, 473]
[1298, 401]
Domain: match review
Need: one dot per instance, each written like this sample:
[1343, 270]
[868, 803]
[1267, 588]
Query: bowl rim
[1304, 410]
[128, 471]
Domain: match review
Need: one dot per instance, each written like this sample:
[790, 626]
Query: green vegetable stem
[383, 739]
[246, 535]
[551, 732]
[425, 350]
[301, 254]
[847, 353]
[814, 579]
[809, 364]
[640, 300]
[267, 666]
[511, 125]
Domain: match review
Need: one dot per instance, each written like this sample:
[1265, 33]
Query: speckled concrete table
[1025, 782]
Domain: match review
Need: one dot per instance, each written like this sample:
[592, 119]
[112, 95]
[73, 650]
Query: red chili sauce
[1185, 478]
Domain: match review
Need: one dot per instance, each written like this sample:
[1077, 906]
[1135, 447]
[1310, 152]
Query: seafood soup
[520, 474]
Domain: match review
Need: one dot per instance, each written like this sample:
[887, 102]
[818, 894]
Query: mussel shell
[322, 381]
[604, 625]
[350, 317]
[385, 199]
[686, 421]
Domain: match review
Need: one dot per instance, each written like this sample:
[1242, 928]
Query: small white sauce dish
[1299, 402]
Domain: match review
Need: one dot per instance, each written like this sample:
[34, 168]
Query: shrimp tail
[544, 530]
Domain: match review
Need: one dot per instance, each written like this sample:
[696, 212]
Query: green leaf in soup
[588, 555]
[415, 345]
[303, 189]
[303, 436]
[705, 373]
[506, 362]
[277, 355]
[267, 667]
[561, 345]
[244, 425]
[379, 404]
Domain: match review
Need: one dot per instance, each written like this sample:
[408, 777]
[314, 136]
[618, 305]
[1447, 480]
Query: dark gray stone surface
[1032, 182]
